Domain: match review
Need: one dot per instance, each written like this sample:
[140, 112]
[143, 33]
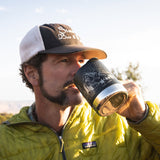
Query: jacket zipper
[62, 147]
[60, 138]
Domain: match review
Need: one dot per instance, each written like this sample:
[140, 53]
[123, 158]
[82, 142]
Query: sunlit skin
[56, 77]
[58, 73]
[134, 109]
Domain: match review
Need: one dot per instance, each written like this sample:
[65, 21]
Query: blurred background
[129, 32]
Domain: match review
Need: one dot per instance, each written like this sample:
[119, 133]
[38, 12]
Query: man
[61, 124]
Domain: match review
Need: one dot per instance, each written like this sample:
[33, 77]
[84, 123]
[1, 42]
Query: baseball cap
[55, 39]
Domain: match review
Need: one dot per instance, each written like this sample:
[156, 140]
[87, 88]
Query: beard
[60, 99]
[63, 98]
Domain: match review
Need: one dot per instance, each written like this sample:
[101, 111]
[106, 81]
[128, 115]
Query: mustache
[68, 83]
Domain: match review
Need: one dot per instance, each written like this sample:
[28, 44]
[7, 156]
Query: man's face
[56, 78]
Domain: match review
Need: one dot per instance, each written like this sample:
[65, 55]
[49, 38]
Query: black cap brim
[86, 51]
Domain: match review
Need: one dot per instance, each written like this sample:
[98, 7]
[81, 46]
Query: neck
[51, 114]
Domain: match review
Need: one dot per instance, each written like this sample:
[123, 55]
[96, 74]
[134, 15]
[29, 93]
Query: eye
[64, 60]
[81, 61]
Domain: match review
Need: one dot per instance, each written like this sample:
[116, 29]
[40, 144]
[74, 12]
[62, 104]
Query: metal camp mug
[100, 88]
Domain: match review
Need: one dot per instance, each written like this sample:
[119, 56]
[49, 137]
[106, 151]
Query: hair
[36, 62]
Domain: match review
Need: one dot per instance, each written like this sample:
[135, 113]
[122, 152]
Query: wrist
[144, 116]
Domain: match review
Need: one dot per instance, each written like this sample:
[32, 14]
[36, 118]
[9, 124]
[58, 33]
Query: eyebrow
[70, 55]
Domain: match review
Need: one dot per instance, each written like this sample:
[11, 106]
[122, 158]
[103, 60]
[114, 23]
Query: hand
[134, 108]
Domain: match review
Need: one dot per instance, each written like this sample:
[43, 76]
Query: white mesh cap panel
[31, 44]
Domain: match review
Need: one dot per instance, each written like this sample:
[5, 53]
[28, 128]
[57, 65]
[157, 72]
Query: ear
[32, 75]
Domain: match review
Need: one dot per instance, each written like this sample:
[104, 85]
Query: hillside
[13, 106]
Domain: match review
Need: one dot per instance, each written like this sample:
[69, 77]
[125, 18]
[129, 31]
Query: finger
[131, 87]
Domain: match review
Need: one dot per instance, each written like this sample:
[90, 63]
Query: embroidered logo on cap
[63, 34]
[89, 145]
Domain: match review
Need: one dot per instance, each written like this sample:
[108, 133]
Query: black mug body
[100, 88]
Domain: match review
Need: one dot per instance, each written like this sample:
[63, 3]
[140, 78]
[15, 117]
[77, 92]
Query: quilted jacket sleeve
[150, 127]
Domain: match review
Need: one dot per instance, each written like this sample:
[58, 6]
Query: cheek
[54, 79]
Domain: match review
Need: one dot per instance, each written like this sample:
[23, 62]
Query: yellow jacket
[86, 136]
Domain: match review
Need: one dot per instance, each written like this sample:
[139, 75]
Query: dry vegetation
[4, 117]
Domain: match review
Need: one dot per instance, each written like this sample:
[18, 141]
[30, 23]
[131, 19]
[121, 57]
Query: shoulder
[7, 127]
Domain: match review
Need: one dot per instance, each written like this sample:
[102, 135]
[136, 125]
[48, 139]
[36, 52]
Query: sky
[127, 30]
